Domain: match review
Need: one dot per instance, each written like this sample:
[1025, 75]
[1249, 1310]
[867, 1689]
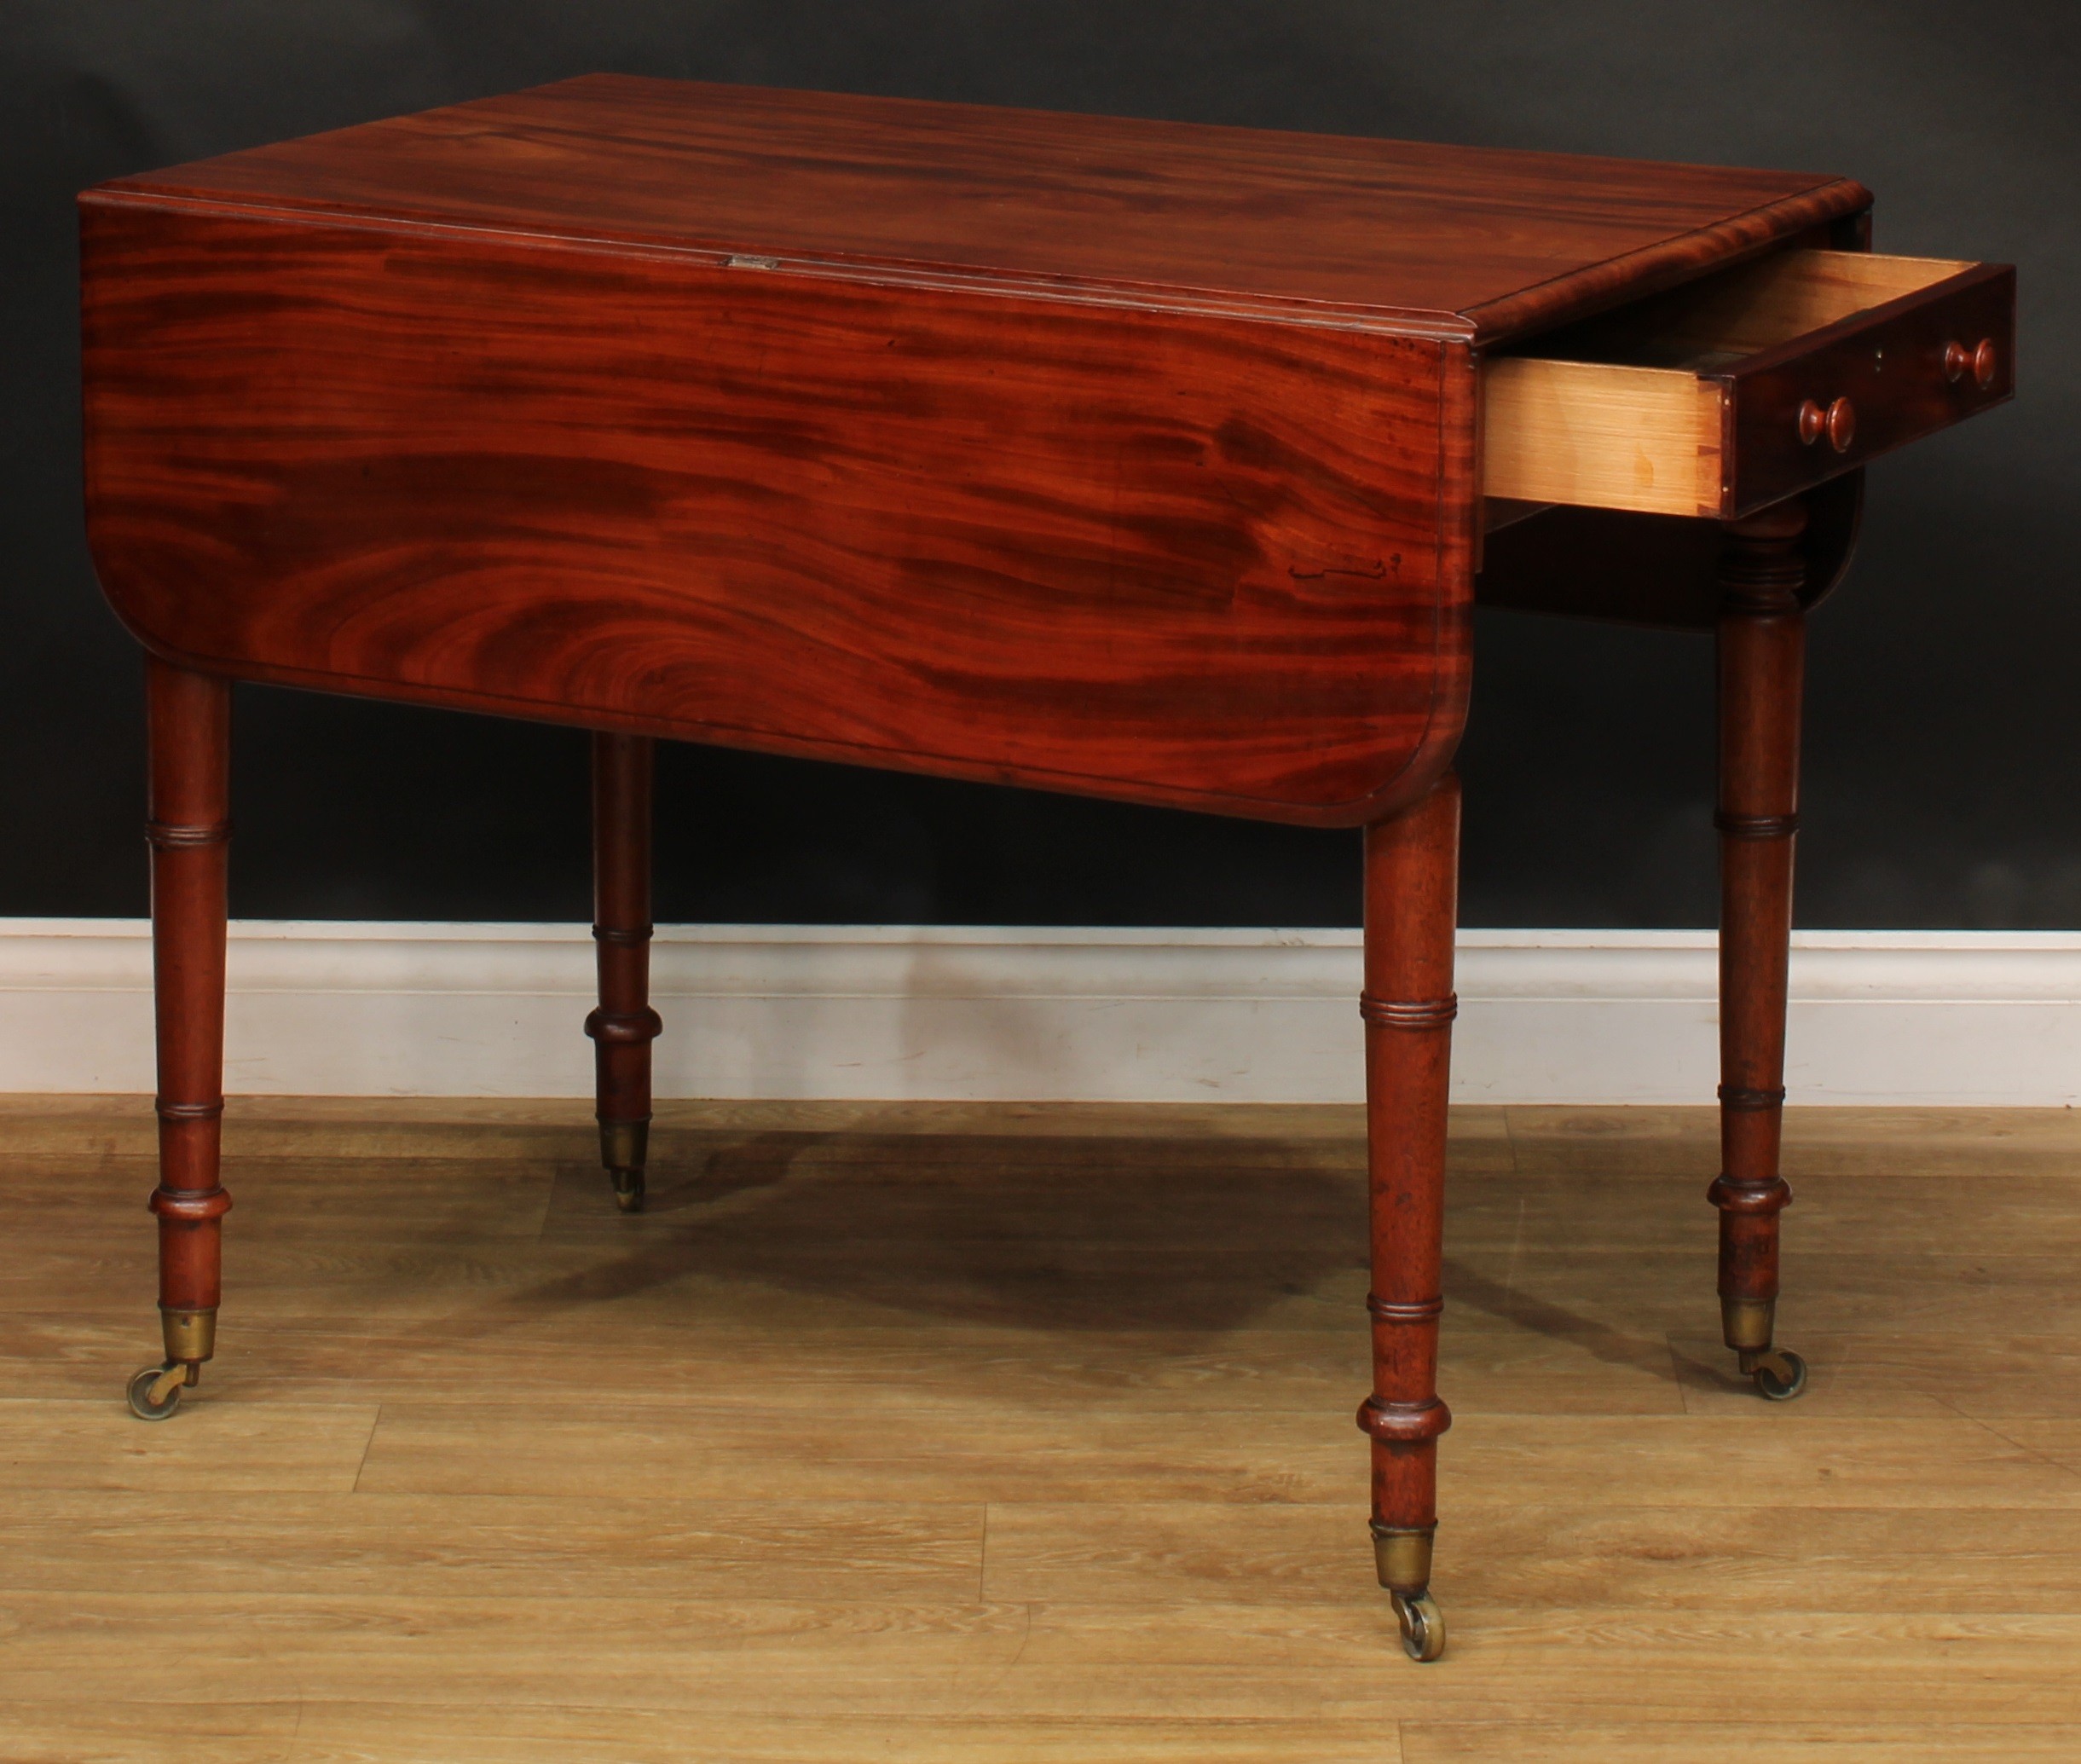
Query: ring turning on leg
[1408, 1007]
[189, 723]
[1761, 657]
[624, 1026]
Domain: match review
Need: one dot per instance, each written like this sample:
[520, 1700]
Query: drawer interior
[1623, 411]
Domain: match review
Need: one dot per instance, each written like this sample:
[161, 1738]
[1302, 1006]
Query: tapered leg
[624, 1026]
[188, 720]
[1412, 886]
[1762, 648]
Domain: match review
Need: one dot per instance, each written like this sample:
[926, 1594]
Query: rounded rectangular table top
[1477, 242]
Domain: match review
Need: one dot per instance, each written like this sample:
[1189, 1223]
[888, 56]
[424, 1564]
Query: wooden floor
[936, 1433]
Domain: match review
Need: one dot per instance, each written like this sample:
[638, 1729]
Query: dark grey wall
[1945, 768]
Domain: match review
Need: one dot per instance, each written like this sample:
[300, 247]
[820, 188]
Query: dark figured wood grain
[188, 719]
[1473, 241]
[1166, 556]
[1412, 871]
[1126, 458]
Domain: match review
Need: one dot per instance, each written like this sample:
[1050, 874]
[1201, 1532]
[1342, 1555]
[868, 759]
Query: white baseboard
[889, 1013]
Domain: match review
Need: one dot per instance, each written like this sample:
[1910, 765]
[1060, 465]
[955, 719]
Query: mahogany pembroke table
[1151, 461]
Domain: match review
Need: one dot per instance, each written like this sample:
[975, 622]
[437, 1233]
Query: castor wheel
[628, 1189]
[155, 1393]
[1423, 1629]
[1780, 1374]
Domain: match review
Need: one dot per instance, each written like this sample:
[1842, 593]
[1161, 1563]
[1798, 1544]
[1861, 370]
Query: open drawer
[1737, 390]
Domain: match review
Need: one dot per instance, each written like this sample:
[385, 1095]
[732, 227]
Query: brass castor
[155, 1393]
[1423, 1629]
[628, 1189]
[1780, 1374]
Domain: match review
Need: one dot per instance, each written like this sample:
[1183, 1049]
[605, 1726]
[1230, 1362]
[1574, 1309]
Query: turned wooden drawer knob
[1838, 421]
[1959, 360]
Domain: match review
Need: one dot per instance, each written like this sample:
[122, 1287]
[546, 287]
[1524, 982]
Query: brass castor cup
[1780, 1374]
[189, 1335]
[1402, 1558]
[1747, 1325]
[624, 1149]
[155, 1393]
[1423, 1629]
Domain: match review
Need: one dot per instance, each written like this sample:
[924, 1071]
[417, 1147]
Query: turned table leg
[1761, 654]
[624, 1026]
[1411, 863]
[188, 722]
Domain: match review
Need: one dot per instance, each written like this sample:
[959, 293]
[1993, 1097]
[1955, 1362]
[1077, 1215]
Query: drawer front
[1719, 398]
[1905, 370]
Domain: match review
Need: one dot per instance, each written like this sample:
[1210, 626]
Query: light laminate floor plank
[1001, 1433]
